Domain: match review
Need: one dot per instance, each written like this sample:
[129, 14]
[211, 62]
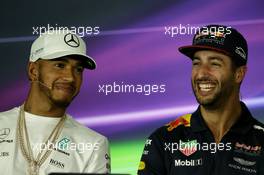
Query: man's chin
[205, 101]
[62, 102]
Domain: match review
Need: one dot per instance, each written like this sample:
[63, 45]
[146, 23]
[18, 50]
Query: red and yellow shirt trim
[183, 120]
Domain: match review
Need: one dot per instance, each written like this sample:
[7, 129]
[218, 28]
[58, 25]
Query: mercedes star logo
[72, 40]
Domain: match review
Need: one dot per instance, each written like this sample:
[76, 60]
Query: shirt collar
[243, 124]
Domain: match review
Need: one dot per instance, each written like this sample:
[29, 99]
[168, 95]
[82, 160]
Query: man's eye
[60, 65]
[79, 69]
[195, 63]
[216, 64]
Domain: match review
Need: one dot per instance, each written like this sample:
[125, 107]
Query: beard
[55, 97]
[62, 102]
[219, 93]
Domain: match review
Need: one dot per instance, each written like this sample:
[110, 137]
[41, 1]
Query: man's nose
[68, 75]
[203, 71]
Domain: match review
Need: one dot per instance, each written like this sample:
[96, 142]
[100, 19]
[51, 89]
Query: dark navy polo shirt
[186, 146]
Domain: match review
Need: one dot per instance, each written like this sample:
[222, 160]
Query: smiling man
[221, 137]
[39, 137]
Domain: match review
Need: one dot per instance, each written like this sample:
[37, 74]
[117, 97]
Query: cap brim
[191, 49]
[89, 62]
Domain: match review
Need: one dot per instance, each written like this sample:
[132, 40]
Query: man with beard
[38, 137]
[221, 137]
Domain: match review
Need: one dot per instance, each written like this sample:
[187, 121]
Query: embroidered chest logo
[57, 163]
[247, 149]
[4, 133]
[244, 162]
[188, 148]
[63, 143]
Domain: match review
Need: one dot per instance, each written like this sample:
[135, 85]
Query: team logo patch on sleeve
[183, 120]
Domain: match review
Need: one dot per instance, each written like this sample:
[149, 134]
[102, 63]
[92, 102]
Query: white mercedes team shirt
[78, 149]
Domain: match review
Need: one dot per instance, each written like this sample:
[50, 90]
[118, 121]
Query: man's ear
[240, 73]
[32, 71]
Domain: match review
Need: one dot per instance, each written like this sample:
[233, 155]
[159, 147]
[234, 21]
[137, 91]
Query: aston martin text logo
[71, 40]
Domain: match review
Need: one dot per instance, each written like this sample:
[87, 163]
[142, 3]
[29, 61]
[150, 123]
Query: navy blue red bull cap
[226, 40]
